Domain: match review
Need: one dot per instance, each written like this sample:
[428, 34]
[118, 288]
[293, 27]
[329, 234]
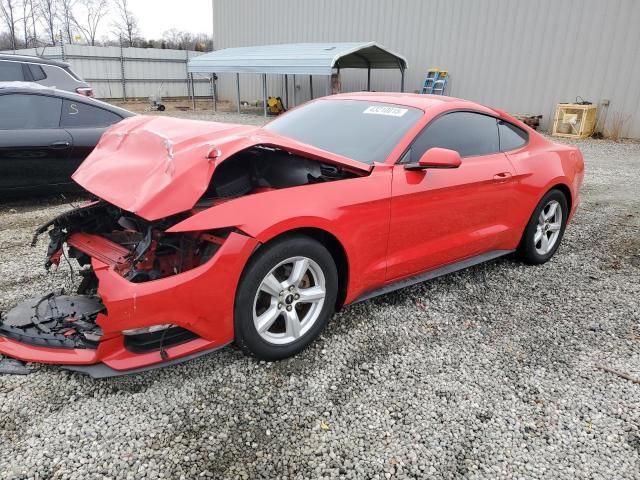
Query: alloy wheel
[289, 300]
[548, 228]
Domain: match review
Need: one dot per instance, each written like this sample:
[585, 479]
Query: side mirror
[436, 157]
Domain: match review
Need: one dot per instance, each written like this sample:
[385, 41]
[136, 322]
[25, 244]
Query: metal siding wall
[148, 71]
[517, 55]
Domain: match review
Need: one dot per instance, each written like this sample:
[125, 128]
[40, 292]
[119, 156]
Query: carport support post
[368, 79]
[214, 94]
[193, 91]
[311, 86]
[295, 95]
[402, 79]
[286, 90]
[238, 89]
[264, 93]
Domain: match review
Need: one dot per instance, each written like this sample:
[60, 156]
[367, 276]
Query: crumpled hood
[157, 166]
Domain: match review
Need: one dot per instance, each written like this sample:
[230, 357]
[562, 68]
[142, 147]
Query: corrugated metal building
[518, 55]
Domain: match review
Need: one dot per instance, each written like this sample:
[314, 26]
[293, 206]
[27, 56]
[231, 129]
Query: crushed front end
[146, 297]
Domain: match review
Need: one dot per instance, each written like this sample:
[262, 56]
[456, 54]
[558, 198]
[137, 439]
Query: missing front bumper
[199, 300]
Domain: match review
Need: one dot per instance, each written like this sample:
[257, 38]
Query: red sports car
[207, 233]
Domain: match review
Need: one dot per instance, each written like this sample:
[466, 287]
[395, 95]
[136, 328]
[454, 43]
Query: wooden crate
[580, 118]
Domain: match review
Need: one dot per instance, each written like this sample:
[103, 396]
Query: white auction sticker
[391, 111]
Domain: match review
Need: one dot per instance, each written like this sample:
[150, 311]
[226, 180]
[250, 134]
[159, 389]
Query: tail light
[86, 91]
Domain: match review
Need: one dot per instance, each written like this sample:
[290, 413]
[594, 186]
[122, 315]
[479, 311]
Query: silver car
[51, 73]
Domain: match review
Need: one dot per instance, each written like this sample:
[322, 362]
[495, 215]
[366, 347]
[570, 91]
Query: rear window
[11, 72]
[360, 130]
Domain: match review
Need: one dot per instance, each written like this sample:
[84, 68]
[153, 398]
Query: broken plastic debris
[11, 366]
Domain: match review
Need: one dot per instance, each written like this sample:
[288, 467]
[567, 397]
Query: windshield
[360, 130]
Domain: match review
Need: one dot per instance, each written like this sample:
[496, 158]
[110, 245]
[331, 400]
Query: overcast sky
[156, 16]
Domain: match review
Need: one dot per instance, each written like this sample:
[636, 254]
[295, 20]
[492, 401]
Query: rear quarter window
[37, 72]
[82, 115]
[511, 137]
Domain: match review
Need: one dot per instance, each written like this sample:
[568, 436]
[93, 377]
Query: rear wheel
[285, 298]
[545, 229]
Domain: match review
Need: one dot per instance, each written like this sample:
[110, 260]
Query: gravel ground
[487, 373]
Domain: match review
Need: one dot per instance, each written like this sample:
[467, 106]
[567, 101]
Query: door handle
[59, 145]
[501, 177]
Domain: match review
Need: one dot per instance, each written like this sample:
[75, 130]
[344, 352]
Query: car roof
[31, 59]
[417, 100]
[31, 87]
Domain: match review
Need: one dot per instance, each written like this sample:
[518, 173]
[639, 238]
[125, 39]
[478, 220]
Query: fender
[355, 211]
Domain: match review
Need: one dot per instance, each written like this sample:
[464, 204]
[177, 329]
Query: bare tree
[90, 14]
[178, 39]
[8, 11]
[181, 40]
[48, 16]
[202, 42]
[25, 22]
[33, 12]
[65, 16]
[126, 23]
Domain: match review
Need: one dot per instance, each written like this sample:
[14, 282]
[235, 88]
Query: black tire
[527, 250]
[265, 259]
[161, 108]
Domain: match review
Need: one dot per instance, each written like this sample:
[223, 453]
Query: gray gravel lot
[487, 373]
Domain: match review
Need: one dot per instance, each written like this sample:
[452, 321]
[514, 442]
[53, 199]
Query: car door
[85, 123]
[439, 216]
[34, 150]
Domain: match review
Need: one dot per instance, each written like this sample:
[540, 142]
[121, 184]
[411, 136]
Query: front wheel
[545, 229]
[285, 298]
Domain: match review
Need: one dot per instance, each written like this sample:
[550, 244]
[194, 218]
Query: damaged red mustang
[203, 233]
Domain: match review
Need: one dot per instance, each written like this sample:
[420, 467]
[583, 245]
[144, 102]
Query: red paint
[391, 222]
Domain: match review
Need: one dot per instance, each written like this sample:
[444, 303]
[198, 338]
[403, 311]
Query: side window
[79, 115]
[468, 133]
[37, 72]
[511, 137]
[18, 111]
[11, 72]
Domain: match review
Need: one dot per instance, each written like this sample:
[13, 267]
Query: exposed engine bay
[138, 250]
[264, 168]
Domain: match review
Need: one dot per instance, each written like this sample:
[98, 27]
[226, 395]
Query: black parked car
[44, 136]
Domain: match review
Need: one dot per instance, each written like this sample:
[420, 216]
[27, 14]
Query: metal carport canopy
[298, 58]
